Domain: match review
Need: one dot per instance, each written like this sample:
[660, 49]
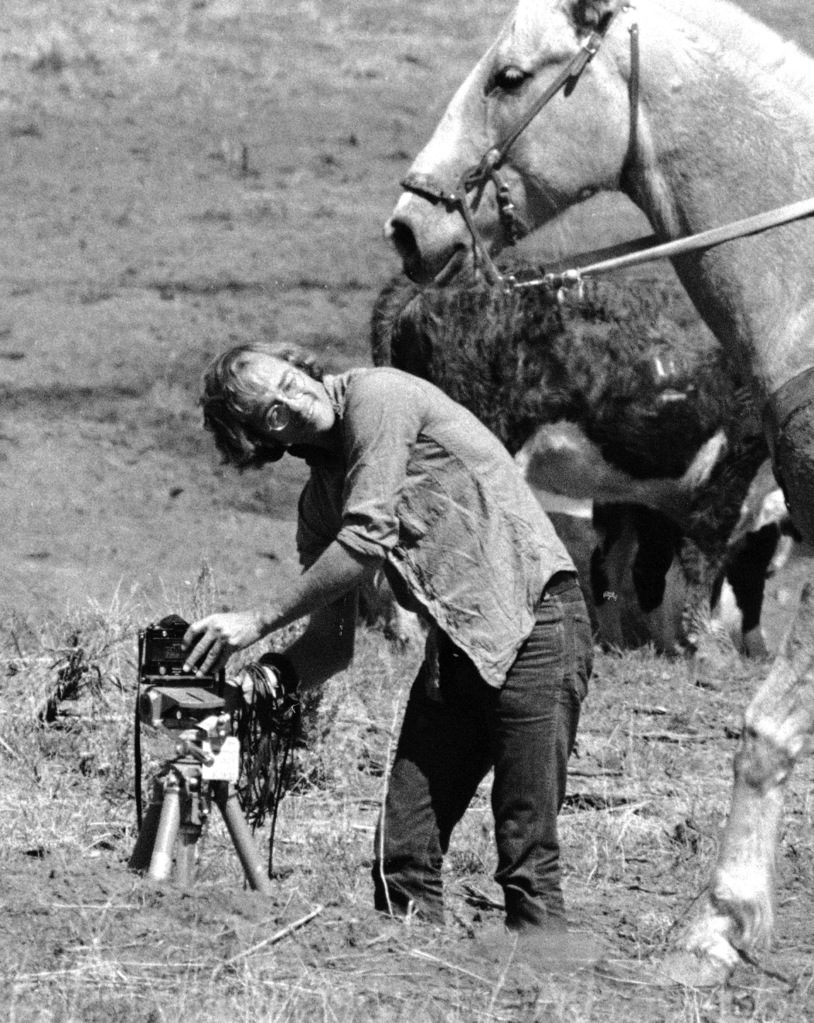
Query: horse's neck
[720, 140]
[720, 136]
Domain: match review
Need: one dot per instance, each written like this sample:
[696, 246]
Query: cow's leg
[610, 561]
[709, 642]
[700, 570]
[738, 912]
[746, 572]
[658, 540]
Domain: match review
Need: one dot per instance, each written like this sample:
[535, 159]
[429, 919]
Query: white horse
[702, 116]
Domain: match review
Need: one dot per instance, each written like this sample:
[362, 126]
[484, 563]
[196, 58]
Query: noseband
[488, 167]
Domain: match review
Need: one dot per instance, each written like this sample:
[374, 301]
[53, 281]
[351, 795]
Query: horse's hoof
[693, 969]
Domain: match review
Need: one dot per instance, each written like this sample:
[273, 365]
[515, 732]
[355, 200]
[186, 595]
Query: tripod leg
[161, 860]
[143, 849]
[225, 796]
[188, 836]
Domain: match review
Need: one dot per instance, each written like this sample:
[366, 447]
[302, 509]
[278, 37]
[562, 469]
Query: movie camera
[201, 712]
[169, 696]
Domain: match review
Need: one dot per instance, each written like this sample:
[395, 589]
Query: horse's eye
[508, 79]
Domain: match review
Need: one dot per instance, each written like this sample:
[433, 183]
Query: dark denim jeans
[526, 731]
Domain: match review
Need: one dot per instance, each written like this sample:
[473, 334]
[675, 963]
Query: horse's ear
[589, 14]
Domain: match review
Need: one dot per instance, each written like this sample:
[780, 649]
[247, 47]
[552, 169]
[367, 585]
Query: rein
[475, 178]
[643, 251]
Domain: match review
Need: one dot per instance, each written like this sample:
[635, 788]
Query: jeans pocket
[580, 650]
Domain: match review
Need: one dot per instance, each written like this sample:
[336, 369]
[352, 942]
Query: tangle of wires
[268, 726]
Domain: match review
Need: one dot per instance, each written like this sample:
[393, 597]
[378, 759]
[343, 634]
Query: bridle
[794, 395]
[476, 177]
[628, 254]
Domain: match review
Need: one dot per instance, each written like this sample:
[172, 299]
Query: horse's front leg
[738, 912]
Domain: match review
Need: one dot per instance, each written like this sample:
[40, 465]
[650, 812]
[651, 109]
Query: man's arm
[326, 645]
[212, 640]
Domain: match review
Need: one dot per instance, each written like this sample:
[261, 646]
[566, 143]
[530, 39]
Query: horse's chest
[560, 458]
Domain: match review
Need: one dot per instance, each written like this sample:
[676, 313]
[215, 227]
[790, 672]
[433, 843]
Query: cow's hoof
[754, 645]
[712, 660]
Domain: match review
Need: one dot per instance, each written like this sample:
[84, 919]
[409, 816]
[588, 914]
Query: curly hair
[231, 401]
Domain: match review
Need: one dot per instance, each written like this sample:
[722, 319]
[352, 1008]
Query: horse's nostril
[402, 237]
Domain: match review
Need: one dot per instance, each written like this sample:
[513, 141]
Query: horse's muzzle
[421, 266]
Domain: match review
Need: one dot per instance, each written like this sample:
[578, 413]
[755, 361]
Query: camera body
[170, 697]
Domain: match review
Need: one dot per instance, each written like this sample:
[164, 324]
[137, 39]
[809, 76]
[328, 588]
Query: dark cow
[619, 395]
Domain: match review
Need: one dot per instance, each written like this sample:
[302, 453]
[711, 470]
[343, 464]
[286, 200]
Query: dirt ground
[85, 939]
[174, 178]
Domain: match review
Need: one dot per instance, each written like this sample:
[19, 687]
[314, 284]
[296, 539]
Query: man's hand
[215, 638]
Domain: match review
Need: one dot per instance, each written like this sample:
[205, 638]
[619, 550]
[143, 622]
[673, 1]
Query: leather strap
[795, 394]
[474, 178]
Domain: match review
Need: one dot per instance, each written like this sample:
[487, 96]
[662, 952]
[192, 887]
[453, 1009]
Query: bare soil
[178, 177]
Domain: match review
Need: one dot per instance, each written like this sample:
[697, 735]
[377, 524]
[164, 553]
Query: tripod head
[211, 747]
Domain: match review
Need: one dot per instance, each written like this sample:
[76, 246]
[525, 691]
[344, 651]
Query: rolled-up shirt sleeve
[382, 421]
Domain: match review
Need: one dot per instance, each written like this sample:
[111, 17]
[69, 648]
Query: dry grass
[86, 939]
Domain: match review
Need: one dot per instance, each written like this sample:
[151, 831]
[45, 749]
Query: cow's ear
[588, 15]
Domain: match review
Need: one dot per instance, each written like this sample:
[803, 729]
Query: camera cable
[268, 728]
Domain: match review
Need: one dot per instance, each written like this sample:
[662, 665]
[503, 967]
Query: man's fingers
[212, 651]
[196, 654]
[200, 652]
[196, 628]
[218, 655]
[212, 640]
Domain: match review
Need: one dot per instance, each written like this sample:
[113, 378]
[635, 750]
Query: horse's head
[572, 147]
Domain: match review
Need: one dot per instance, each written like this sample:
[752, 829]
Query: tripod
[204, 770]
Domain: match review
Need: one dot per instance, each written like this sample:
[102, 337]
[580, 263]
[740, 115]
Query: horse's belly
[560, 458]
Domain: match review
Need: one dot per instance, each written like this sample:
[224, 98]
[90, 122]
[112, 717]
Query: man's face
[295, 408]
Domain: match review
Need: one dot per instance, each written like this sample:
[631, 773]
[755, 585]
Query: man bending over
[403, 478]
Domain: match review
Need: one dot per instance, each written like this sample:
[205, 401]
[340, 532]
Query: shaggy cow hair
[628, 362]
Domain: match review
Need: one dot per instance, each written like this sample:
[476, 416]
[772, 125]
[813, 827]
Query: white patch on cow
[772, 510]
[560, 459]
[785, 549]
[726, 616]
[705, 460]
[763, 505]
[726, 612]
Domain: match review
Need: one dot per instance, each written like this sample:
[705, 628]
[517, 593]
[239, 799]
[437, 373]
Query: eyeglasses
[278, 415]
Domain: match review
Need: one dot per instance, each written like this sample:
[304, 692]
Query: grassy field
[177, 178]
[85, 939]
